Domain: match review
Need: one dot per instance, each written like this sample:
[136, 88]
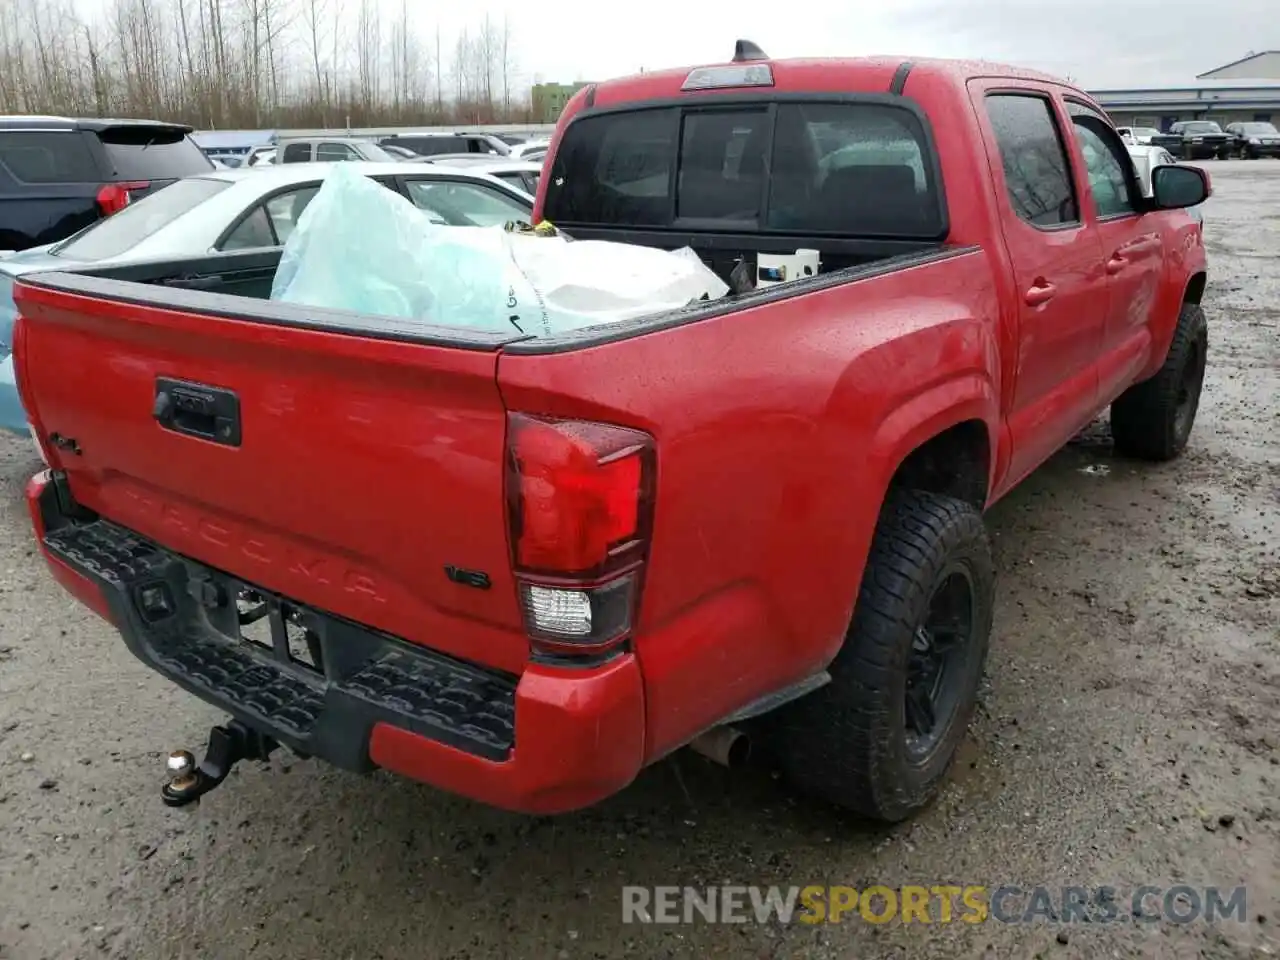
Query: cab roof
[815, 75]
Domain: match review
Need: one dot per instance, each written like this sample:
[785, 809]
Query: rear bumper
[546, 742]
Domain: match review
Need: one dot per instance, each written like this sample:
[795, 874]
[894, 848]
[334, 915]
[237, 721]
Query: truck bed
[238, 286]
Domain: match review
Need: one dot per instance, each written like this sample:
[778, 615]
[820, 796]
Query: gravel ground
[1129, 734]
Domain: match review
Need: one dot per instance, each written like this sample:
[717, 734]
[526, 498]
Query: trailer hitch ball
[228, 744]
[182, 770]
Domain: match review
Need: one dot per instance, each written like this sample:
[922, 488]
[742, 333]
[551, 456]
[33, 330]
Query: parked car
[530, 149]
[1253, 140]
[1145, 160]
[58, 175]
[1140, 136]
[330, 150]
[1195, 140]
[524, 567]
[400, 153]
[238, 210]
[426, 144]
[520, 174]
[261, 155]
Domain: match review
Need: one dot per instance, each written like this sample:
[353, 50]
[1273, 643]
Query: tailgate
[341, 471]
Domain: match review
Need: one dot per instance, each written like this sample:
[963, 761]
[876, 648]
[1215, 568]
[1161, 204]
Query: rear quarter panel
[778, 429]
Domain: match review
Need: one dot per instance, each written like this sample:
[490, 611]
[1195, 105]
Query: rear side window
[152, 153]
[854, 169]
[121, 232]
[54, 156]
[335, 152]
[1036, 173]
[297, 153]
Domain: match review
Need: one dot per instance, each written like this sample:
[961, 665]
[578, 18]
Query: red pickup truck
[523, 568]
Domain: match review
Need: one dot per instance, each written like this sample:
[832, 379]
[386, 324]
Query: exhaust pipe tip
[726, 746]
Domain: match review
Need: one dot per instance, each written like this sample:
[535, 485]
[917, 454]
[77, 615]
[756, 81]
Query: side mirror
[1177, 187]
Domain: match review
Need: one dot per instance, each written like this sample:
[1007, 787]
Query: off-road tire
[1152, 420]
[847, 742]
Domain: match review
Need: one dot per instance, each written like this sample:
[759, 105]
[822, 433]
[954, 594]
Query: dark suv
[1196, 140]
[58, 175]
[1256, 139]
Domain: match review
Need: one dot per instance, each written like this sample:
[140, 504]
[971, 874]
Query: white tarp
[361, 247]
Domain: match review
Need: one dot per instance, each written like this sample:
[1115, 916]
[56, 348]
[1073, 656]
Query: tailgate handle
[209, 413]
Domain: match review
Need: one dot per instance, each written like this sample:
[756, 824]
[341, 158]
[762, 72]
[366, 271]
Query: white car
[536, 148]
[521, 174]
[1137, 136]
[243, 209]
[260, 156]
[250, 208]
[1145, 160]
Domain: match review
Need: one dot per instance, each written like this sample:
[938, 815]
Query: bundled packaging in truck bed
[363, 248]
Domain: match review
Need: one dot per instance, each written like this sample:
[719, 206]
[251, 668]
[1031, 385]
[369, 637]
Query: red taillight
[581, 506]
[114, 197]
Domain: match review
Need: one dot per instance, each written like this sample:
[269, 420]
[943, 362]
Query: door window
[297, 153]
[284, 210]
[458, 204]
[335, 153]
[1106, 162]
[251, 233]
[270, 223]
[1036, 173]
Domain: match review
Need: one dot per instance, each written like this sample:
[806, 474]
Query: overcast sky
[1100, 43]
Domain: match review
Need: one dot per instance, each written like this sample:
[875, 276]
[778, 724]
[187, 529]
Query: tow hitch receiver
[228, 745]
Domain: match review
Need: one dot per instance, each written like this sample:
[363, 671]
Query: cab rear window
[853, 169]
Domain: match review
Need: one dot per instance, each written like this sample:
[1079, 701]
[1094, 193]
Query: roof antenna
[745, 50]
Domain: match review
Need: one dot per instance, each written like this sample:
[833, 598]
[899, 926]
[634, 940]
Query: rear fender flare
[967, 396]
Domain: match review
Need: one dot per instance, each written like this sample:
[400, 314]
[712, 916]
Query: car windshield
[121, 232]
[1201, 126]
[372, 151]
[1145, 131]
[1257, 128]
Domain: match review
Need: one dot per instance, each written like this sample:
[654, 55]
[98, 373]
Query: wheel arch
[944, 441]
[1194, 292]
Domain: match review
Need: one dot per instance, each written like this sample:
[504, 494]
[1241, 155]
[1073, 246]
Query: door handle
[1117, 263]
[1041, 292]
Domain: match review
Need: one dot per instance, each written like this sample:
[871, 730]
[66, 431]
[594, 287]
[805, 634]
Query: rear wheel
[1152, 420]
[880, 737]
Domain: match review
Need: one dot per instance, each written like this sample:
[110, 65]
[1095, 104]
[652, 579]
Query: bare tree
[506, 58]
[313, 15]
[224, 63]
[488, 52]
